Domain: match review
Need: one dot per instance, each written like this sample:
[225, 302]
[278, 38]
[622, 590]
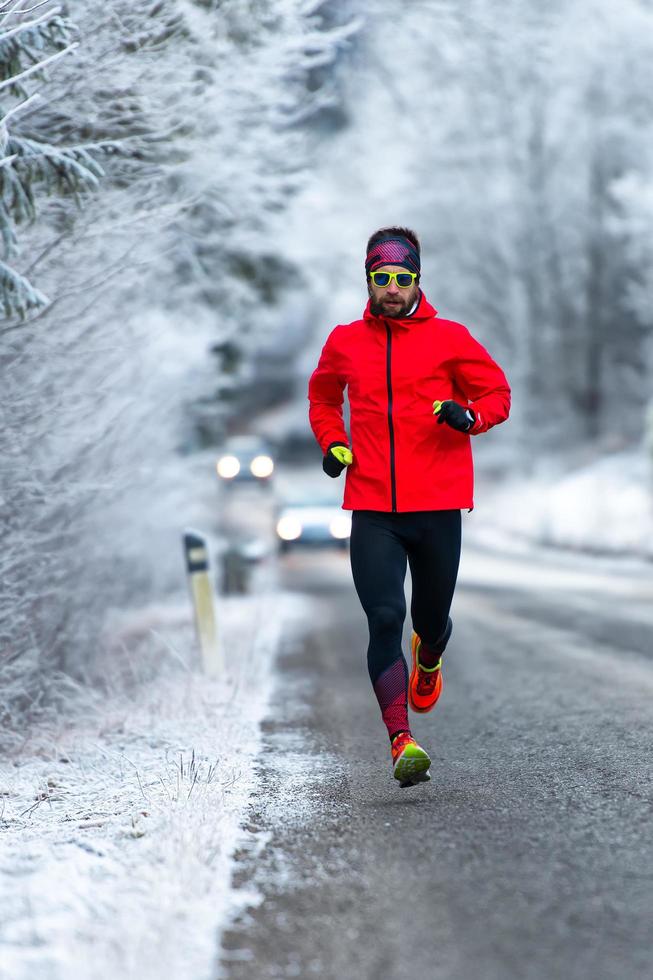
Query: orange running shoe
[410, 763]
[425, 683]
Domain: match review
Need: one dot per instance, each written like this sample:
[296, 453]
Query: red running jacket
[394, 370]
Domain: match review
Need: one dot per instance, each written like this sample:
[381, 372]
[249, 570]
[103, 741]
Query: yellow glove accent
[436, 407]
[343, 455]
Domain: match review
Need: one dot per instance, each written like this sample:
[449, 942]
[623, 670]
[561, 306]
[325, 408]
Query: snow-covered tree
[30, 45]
[207, 105]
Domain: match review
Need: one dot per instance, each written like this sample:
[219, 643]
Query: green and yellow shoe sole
[412, 766]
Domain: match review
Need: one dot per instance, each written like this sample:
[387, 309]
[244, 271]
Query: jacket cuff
[479, 424]
[326, 444]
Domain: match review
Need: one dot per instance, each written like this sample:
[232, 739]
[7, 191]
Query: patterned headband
[393, 251]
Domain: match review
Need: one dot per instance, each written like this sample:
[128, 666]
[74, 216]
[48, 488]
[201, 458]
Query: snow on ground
[118, 824]
[603, 507]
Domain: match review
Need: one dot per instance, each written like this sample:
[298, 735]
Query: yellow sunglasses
[403, 279]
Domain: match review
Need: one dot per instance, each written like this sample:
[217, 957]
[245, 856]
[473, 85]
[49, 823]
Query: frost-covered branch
[18, 108]
[20, 12]
[17, 294]
[39, 66]
[29, 24]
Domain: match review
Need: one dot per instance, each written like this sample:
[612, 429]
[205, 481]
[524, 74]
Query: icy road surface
[528, 855]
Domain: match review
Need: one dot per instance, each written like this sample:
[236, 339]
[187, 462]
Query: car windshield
[247, 445]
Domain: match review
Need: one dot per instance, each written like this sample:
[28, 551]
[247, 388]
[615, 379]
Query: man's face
[392, 300]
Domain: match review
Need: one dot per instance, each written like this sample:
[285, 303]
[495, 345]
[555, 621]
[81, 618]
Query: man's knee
[385, 620]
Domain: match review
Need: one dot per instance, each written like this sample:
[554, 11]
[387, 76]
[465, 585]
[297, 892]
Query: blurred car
[312, 521]
[245, 459]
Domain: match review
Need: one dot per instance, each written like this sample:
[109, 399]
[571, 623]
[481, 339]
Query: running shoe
[410, 763]
[425, 683]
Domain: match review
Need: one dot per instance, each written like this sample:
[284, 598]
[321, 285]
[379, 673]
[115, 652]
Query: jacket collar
[424, 311]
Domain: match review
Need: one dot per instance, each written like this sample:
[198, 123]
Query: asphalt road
[529, 855]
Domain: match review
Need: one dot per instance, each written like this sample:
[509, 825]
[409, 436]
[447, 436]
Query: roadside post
[201, 590]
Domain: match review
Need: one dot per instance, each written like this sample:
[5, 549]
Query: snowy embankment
[118, 825]
[605, 507]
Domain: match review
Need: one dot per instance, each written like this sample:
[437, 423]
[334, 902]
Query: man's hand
[337, 457]
[454, 415]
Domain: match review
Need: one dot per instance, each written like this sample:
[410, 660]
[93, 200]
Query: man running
[419, 387]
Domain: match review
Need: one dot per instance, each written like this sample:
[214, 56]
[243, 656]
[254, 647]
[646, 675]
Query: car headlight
[289, 528]
[261, 466]
[228, 467]
[340, 526]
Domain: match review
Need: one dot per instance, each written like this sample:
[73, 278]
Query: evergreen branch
[75, 163]
[24, 10]
[6, 160]
[35, 97]
[38, 66]
[25, 43]
[43, 19]
[74, 171]
[17, 295]
[146, 136]
[17, 199]
[115, 145]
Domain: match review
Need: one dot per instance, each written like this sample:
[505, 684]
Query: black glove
[456, 416]
[331, 464]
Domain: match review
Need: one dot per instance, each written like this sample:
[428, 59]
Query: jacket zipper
[393, 485]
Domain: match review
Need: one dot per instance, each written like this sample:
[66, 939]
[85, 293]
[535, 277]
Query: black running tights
[381, 545]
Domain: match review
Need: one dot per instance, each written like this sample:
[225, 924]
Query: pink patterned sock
[391, 689]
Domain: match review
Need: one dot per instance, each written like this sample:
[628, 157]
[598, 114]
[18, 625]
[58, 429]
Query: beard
[401, 309]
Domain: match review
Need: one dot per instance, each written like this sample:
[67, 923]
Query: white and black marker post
[201, 590]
